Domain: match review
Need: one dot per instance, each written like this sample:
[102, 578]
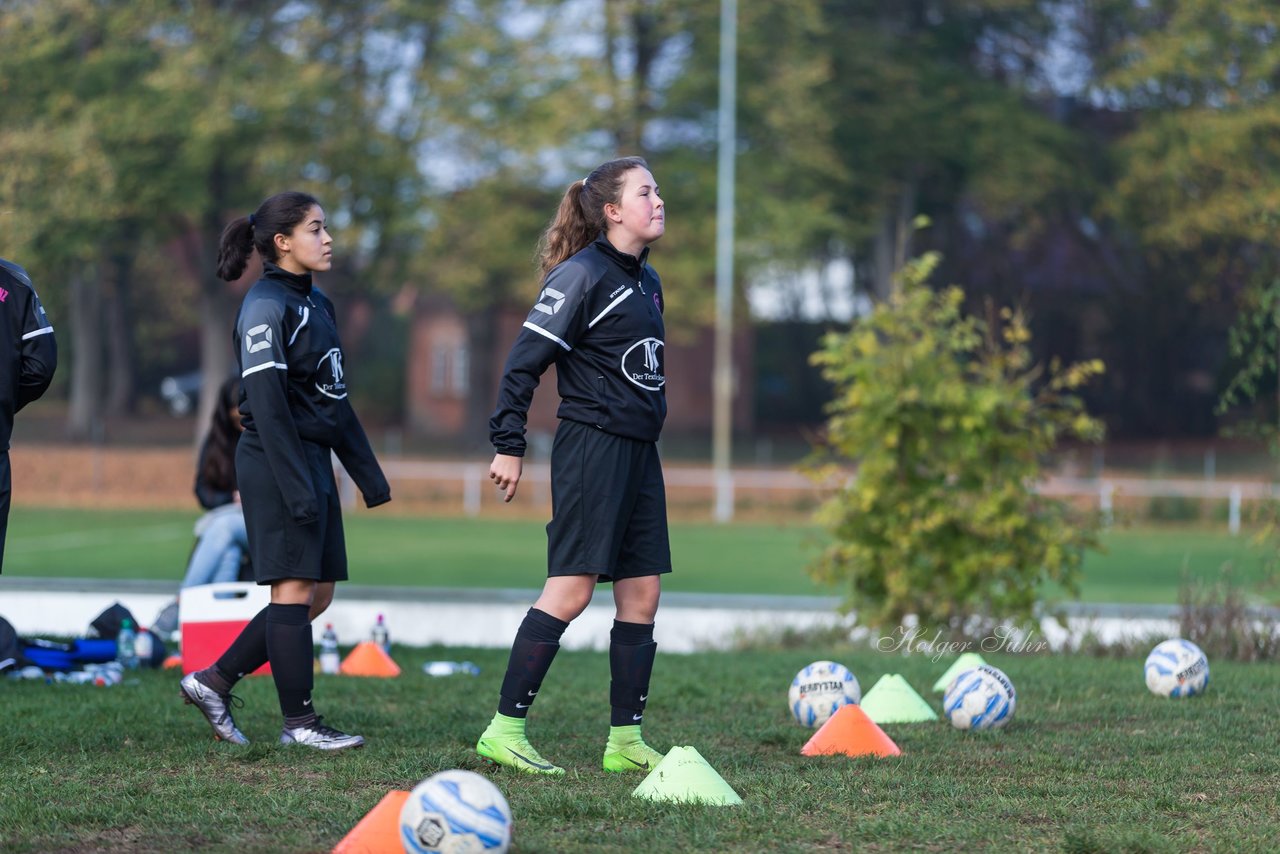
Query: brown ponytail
[581, 214]
[279, 214]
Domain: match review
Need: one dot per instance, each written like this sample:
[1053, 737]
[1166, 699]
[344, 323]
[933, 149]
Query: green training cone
[967, 661]
[893, 701]
[683, 775]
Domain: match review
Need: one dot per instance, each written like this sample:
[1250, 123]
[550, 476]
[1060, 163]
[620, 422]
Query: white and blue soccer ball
[819, 690]
[455, 812]
[981, 698]
[1177, 668]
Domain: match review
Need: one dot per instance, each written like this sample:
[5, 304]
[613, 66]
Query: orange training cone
[369, 659]
[851, 732]
[379, 831]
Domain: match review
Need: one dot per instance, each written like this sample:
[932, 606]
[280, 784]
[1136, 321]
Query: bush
[1216, 617]
[947, 422]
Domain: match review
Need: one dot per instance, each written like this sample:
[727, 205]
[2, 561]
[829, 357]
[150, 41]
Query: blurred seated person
[221, 541]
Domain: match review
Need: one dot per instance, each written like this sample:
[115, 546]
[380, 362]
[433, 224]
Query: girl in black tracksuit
[295, 411]
[598, 319]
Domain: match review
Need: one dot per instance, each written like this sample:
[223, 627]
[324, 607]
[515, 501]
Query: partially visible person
[221, 539]
[30, 357]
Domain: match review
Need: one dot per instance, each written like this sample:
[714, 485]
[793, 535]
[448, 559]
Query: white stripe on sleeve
[544, 333]
[263, 367]
[44, 330]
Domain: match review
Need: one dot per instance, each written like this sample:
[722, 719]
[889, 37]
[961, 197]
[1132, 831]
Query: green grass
[396, 550]
[1140, 564]
[1091, 762]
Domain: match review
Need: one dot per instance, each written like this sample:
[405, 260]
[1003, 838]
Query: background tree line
[1112, 166]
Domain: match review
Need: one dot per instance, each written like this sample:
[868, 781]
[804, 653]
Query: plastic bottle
[381, 636]
[450, 668]
[126, 651]
[330, 662]
[106, 674]
[28, 672]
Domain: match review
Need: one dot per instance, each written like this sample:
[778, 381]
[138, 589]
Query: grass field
[1140, 564]
[1091, 762]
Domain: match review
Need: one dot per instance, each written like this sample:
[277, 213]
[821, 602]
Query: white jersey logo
[642, 364]
[329, 375]
[258, 338]
[554, 300]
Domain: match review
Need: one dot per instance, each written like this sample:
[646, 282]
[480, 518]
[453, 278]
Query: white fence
[468, 483]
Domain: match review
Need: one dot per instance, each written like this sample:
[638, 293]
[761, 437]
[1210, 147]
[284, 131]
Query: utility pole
[723, 379]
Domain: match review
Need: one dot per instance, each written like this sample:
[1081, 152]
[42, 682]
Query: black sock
[246, 654]
[631, 653]
[535, 646]
[289, 648]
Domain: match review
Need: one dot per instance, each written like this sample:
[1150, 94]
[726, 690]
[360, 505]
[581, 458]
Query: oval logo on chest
[642, 364]
[330, 375]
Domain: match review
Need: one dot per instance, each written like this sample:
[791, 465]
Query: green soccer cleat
[504, 743]
[626, 751]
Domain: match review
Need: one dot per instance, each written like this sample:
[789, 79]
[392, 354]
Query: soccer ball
[1177, 668]
[819, 690]
[455, 812]
[981, 698]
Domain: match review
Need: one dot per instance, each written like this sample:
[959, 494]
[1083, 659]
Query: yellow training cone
[684, 776]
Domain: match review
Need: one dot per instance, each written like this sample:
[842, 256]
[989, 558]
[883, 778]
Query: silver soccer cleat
[215, 707]
[320, 737]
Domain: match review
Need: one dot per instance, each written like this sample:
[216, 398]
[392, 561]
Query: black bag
[10, 647]
[107, 624]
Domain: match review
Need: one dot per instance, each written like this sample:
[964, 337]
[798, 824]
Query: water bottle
[381, 636]
[329, 659]
[450, 668]
[28, 672]
[106, 674]
[126, 651]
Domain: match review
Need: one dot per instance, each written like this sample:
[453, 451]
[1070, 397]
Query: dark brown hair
[279, 214]
[218, 463]
[581, 214]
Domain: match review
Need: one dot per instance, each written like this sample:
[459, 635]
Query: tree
[930, 101]
[74, 157]
[947, 421]
[275, 96]
[150, 124]
[1200, 172]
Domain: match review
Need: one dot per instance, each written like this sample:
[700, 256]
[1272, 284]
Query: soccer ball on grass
[455, 812]
[819, 689]
[1177, 668]
[981, 698]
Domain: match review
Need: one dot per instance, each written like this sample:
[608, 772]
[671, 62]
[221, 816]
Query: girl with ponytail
[295, 413]
[598, 319]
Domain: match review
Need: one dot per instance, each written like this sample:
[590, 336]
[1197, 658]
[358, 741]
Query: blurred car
[181, 392]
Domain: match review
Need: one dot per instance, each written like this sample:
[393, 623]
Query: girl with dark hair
[221, 539]
[598, 319]
[295, 412]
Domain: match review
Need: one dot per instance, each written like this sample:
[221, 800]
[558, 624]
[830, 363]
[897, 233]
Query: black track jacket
[599, 320]
[293, 389]
[26, 340]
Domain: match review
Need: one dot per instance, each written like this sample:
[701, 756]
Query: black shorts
[608, 506]
[279, 547]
